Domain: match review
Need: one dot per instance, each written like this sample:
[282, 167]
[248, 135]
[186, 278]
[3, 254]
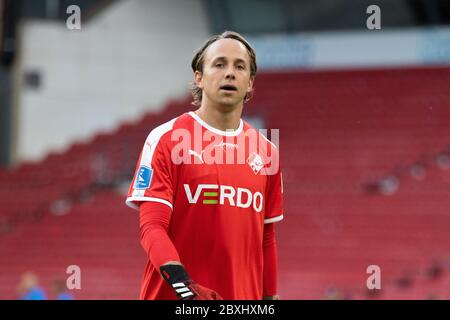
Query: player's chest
[236, 185]
[226, 176]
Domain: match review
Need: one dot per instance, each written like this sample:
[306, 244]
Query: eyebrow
[238, 60]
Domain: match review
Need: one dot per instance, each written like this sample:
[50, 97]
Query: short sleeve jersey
[222, 187]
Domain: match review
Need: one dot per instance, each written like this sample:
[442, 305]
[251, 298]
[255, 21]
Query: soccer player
[208, 188]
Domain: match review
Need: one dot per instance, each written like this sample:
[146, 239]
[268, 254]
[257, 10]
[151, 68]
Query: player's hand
[184, 287]
[202, 293]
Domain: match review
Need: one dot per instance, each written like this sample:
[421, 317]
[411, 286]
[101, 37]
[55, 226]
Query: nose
[230, 74]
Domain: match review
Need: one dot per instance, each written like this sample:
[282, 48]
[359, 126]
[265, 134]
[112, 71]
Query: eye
[241, 67]
[219, 65]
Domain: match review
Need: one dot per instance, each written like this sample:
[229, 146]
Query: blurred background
[361, 98]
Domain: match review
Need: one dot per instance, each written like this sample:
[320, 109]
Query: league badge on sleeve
[143, 178]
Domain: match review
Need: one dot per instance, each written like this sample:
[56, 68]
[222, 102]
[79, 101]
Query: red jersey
[222, 186]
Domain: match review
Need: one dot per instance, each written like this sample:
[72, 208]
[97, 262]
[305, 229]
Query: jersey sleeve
[274, 196]
[153, 178]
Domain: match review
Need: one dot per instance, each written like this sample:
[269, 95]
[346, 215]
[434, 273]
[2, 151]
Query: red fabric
[218, 209]
[154, 222]
[270, 271]
[202, 293]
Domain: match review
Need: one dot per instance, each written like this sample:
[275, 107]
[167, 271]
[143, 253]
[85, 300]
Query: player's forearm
[270, 256]
[154, 220]
[159, 247]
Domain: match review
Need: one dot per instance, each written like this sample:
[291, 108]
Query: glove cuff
[179, 280]
[174, 273]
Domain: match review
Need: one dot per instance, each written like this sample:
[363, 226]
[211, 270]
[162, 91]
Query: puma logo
[195, 154]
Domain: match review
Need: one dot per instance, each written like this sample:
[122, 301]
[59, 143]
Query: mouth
[228, 88]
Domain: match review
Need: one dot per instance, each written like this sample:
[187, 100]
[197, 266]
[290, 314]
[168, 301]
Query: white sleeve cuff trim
[276, 219]
[130, 201]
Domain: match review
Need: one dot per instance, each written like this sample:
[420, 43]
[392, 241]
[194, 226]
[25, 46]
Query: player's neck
[221, 118]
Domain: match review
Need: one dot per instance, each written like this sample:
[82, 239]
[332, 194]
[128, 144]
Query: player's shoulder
[260, 133]
[162, 132]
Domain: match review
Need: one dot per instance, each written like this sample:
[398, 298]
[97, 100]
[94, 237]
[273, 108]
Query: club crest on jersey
[255, 162]
[143, 178]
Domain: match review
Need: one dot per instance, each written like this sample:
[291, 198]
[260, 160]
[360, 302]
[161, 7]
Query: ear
[198, 78]
[250, 84]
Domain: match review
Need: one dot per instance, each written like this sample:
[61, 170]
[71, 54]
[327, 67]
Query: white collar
[229, 133]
